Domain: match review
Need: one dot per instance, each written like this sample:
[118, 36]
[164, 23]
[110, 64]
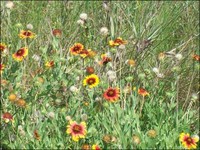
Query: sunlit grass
[133, 78]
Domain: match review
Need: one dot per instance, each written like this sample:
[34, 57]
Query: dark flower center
[77, 128]
[189, 141]
[91, 81]
[1, 66]
[51, 63]
[84, 52]
[2, 47]
[106, 60]
[27, 33]
[7, 116]
[76, 48]
[20, 52]
[111, 92]
[118, 41]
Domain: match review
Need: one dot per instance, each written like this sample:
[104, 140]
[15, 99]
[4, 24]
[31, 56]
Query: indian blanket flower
[26, 34]
[49, 64]
[76, 130]
[21, 103]
[105, 59]
[136, 139]
[152, 133]
[36, 135]
[7, 117]
[91, 80]
[2, 67]
[95, 147]
[57, 32]
[118, 41]
[196, 57]
[84, 53]
[142, 92]
[76, 48]
[112, 94]
[131, 62]
[90, 70]
[12, 97]
[20, 54]
[161, 56]
[85, 147]
[188, 142]
[3, 46]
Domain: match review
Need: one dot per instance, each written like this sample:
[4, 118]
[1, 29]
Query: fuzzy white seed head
[80, 22]
[179, 56]
[84, 117]
[36, 57]
[122, 47]
[29, 26]
[51, 115]
[83, 16]
[112, 77]
[9, 5]
[68, 118]
[104, 31]
[156, 70]
[73, 89]
[110, 72]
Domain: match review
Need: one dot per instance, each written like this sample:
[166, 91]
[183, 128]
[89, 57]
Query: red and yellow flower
[143, 92]
[131, 62]
[188, 142]
[2, 67]
[91, 80]
[49, 64]
[118, 41]
[76, 48]
[36, 135]
[95, 147]
[57, 32]
[90, 70]
[20, 54]
[2, 47]
[112, 94]
[85, 147]
[105, 59]
[26, 34]
[196, 57]
[84, 53]
[76, 130]
[7, 117]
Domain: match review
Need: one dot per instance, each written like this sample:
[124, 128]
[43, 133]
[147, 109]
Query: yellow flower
[49, 64]
[76, 48]
[143, 92]
[20, 54]
[2, 47]
[188, 142]
[91, 80]
[95, 147]
[2, 67]
[76, 130]
[118, 41]
[26, 34]
[12, 97]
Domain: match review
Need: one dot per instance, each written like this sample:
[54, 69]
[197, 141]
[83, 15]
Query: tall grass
[150, 27]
